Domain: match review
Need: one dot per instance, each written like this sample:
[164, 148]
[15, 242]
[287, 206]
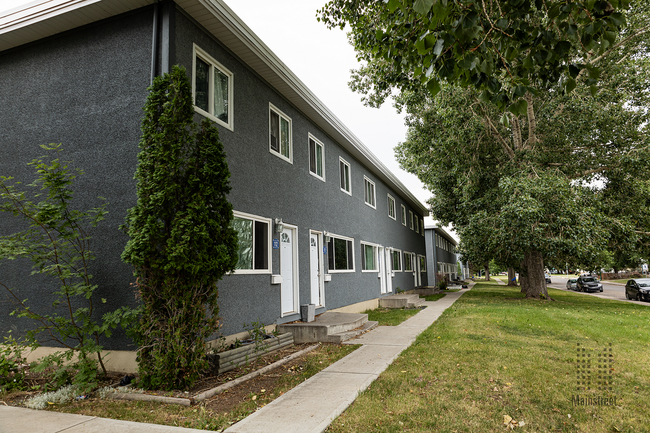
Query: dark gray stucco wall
[270, 187]
[84, 89]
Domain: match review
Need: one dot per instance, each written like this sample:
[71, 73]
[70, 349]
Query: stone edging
[211, 392]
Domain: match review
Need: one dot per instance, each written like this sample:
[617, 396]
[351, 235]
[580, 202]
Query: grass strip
[494, 354]
[390, 316]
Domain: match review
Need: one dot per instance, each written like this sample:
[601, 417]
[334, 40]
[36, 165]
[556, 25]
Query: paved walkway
[309, 407]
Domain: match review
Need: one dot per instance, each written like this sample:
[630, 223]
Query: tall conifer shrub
[181, 242]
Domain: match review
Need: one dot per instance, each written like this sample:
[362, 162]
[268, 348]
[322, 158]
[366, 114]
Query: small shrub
[64, 395]
[12, 365]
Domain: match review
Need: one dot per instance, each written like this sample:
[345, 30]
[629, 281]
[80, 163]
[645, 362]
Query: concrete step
[347, 335]
[326, 324]
[401, 300]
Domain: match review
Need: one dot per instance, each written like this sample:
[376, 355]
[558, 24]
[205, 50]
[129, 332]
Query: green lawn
[390, 316]
[494, 353]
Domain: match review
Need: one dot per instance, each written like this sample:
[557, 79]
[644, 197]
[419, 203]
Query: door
[416, 266]
[315, 266]
[389, 270]
[288, 268]
[381, 262]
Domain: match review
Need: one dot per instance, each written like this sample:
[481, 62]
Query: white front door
[389, 270]
[382, 268]
[315, 266]
[288, 267]
[416, 266]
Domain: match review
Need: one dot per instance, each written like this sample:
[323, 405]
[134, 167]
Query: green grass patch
[390, 316]
[495, 353]
[433, 297]
[616, 281]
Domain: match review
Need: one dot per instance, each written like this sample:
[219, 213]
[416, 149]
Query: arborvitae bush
[181, 242]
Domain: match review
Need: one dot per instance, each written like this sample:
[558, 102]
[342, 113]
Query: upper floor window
[369, 194]
[417, 229]
[280, 134]
[253, 235]
[422, 225]
[340, 254]
[212, 86]
[316, 156]
[391, 207]
[344, 169]
[411, 220]
[403, 215]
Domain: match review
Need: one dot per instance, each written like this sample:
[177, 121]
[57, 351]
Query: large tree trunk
[534, 271]
[487, 272]
[511, 277]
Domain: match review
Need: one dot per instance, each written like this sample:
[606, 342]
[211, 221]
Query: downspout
[154, 43]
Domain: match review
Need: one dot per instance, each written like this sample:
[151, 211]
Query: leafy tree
[181, 240]
[504, 49]
[57, 241]
[520, 178]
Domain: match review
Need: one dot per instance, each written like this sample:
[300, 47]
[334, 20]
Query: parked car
[571, 284]
[586, 283]
[638, 289]
[547, 278]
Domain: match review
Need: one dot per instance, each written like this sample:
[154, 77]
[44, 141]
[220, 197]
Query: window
[396, 255]
[280, 133]
[408, 262]
[423, 263]
[403, 215]
[253, 235]
[212, 88]
[417, 229]
[411, 220]
[391, 207]
[369, 195]
[344, 169]
[316, 156]
[422, 225]
[340, 254]
[368, 257]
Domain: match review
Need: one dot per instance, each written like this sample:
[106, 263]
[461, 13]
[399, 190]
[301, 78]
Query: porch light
[279, 225]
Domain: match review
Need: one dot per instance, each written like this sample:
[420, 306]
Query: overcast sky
[322, 59]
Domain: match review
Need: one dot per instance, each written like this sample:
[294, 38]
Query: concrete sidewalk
[309, 407]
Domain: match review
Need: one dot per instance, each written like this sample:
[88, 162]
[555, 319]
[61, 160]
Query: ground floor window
[340, 254]
[368, 257]
[397, 260]
[423, 263]
[408, 262]
[253, 235]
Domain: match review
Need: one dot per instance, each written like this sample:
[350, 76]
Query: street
[614, 291]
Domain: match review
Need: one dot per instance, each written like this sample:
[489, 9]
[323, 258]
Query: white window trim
[317, 141]
[411, 219]
[288, 119]
[388, 199]
[341, 160]
[341, 271]
[403, 214]
[269, 243]
[422, 268]
[401, 260]
[404, 258]
[374, 192]
[375, 252]
[197, 51]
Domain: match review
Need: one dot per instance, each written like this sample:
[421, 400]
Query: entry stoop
[401, 301]
[329, 327]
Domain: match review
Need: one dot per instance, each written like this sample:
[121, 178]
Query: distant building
[441, 253]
